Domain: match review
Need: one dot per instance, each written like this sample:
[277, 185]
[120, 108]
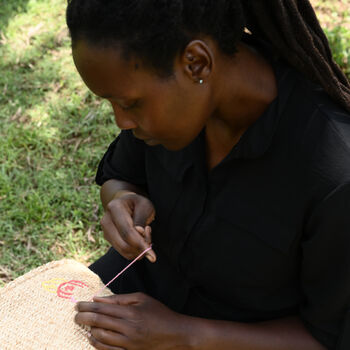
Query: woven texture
[37, 309]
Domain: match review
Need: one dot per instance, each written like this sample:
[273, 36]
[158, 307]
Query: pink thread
[65, 290]
[73, 300]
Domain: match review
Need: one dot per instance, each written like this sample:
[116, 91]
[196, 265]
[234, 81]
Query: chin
[170, 145]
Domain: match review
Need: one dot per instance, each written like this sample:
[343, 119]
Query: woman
[235, 155]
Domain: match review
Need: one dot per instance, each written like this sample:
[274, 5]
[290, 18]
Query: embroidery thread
[65, 290]
[51, 285]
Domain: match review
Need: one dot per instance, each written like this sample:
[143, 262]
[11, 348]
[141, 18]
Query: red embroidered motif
[65, 290]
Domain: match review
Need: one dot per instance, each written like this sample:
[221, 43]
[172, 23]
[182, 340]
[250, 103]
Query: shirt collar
[176, 163]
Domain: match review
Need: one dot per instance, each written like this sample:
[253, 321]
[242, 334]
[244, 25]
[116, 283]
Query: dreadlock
[292, 28]
[157, 30]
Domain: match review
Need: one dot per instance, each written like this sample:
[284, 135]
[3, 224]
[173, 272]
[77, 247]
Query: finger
[112, 235]
[151, 217]
[110, 308]
[100, 346]
[151, 255]
[123, 299]
[143, 214]
[100, 321]
[146, 234]
[125, 226]
[107, 337]
[113, 299]
[141, 231]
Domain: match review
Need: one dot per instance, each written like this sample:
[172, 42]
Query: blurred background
[53, 133]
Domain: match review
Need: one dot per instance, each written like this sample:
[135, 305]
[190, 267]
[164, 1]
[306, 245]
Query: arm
[112, 189]
[128, 212]
[137, 321]
[281, 334]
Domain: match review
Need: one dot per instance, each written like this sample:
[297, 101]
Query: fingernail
[89, 334]
[151, 257]
[139, 229]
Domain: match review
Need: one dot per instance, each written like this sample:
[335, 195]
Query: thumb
[146, 234]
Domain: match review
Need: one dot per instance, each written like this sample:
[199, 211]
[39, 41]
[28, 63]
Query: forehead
[105, 70]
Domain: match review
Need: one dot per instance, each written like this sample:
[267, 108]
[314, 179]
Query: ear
[197, 60]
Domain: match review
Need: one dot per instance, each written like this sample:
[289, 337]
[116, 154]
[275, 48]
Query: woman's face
[171, 112]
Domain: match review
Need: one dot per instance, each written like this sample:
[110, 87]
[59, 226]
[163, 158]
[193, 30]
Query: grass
[53, 133]
[339, 38]
[335, 19]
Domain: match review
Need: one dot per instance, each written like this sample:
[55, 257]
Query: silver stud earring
[201, 81]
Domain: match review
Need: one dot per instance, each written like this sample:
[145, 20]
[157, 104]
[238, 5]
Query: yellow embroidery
[52, 285]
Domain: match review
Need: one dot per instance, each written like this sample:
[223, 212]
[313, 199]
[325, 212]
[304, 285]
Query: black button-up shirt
[263, 235]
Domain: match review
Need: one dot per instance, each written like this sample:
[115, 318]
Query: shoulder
[326, 126]
[324, 112]
[312, 139]
[317, 132]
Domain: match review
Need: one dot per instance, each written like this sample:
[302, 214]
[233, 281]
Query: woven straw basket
[37, 309]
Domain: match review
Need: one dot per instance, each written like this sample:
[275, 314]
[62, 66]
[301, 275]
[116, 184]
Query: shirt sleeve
[325, 271]
[124, 160]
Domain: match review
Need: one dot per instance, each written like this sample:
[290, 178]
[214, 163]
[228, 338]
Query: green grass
[335, 19]
[52, 134]
[339, 38]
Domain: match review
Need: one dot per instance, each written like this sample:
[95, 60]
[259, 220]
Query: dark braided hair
[157, 30]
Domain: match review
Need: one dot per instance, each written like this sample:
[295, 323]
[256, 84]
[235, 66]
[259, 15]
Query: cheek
[193, 111]
[176, 114]
[159, 115]
[153, 120]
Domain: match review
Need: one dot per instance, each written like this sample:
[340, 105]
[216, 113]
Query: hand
[133, 322]
[126, 224]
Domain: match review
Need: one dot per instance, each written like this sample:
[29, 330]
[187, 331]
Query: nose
[122, 119]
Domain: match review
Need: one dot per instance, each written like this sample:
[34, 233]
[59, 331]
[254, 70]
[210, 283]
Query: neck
[245, 87]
